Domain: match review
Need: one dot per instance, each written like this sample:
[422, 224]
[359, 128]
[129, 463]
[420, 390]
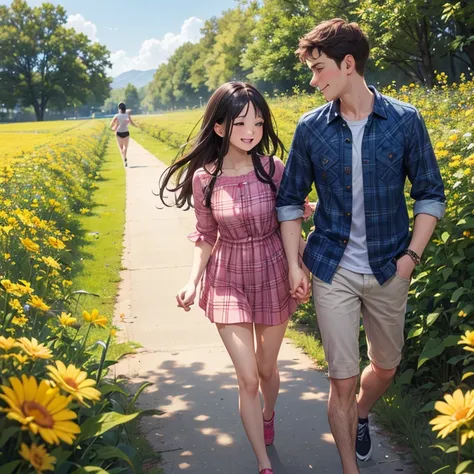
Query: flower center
[460, 414]
[71, 382]
[37, 460]
[39, 413]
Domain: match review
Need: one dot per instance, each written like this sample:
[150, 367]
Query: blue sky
[144, 33]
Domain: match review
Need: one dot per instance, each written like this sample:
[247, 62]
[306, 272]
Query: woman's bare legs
[269, 339]
[239, 342]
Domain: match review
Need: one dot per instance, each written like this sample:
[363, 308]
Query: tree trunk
[423, 31]
[469, 51]
[39, 112]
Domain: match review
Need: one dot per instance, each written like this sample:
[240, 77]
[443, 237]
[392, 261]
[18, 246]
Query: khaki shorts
[339, 306]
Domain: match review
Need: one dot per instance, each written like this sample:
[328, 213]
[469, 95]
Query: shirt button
[390, 155]
[325, 161]
[347, 170]
[348, 140]
[344, 241]
[348, 187]
[348, 214]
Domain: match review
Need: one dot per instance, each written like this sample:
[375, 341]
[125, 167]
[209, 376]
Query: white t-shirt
[356, 257]
[123, 121]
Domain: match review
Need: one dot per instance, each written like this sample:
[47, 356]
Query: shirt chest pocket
[390, 163]
[326, 169]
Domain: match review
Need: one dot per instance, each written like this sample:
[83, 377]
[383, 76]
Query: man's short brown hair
[336, 38]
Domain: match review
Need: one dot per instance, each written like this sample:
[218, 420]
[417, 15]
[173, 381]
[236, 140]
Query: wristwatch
[413, 255]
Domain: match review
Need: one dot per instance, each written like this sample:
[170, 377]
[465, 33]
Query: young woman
[120, 125]
[233, 178]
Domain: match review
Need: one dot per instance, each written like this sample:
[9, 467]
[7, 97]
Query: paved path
[193, 379]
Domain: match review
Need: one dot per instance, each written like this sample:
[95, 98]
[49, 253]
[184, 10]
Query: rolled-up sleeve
[206, 225]
[423, 172]
[297, 179]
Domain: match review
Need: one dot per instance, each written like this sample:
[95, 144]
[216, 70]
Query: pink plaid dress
[246, 279]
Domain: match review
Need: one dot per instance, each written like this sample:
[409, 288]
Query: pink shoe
[266, 471]
[269, 433]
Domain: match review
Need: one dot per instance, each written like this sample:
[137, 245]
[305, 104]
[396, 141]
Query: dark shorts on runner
[123, 134]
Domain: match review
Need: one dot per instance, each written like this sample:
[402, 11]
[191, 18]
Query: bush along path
[59, 411]
[191, 375]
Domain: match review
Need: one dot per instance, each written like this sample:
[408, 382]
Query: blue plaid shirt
[395, 145]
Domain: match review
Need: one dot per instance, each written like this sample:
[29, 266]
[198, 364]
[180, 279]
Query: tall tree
[224, 60]
[44, 63]
[459, 17]
[131, 99]
[405, 33]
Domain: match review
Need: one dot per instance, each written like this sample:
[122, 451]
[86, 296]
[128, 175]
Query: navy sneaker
[363, 443]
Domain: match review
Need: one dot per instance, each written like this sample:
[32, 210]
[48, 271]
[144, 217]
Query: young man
[358, 150]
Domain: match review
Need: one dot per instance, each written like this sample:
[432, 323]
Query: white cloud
[81, 25]
[154, 52]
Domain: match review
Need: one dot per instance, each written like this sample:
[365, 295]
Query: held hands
[185, 296]
[405, 267]
[299, 284]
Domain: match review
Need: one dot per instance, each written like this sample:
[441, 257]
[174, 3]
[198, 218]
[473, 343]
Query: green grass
[161, 150]
[310, 345]
[100, 247]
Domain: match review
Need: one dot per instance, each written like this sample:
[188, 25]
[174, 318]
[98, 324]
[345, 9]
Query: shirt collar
[379, 106]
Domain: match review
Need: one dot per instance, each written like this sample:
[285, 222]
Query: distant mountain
[137, 78]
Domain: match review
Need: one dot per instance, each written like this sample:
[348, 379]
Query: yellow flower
[15, 304]
[30, 245]
[456, 410]
[465, 435]
[34, 349]
[66, 320]
[468, 340]
[6, 256]
[94, 318]
[7, 343]
[38, 457]
[67, 283]
[453, 137]
[41, 409]
[7, 229]
[113, 332]
[56, 243]
[51, 262]
[19, 320]
[467, 171]
[38, 303]
[74, 381]
[21, 358]
[10, 287]
[24, 287]
[84, 210]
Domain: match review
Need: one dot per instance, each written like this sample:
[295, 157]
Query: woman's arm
[130, 120]
[113, 122]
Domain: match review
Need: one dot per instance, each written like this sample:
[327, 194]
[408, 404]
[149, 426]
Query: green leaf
[405, 377]
[112, 388]
[433, 348]
[111, 452]
[7, 434]
[428, 407]
[450, 341]
[456, 295]
[447, 273]
[139, 391]
[414, 332]
[445, 237]
[456, 260]
[432, 317]
[452, 449]
[9, 468]
[443, 469]
[102, 423]
[461, 467]
[454, 360]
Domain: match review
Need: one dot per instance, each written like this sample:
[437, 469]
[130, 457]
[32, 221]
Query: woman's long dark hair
[224, 106]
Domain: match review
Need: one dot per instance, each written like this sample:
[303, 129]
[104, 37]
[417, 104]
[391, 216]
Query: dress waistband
[247, 240]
